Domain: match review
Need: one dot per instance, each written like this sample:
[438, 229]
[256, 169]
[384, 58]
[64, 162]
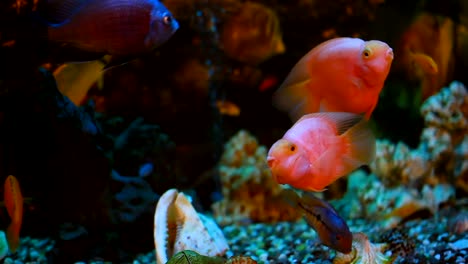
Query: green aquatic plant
[192, 257]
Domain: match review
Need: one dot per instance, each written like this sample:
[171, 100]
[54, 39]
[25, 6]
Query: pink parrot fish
[115, 27]
[320, 148]
[339, 75]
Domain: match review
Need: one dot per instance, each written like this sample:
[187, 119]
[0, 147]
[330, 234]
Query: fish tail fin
[361, 146]
[12, 235]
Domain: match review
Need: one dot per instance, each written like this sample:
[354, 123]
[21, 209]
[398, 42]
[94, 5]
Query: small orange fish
[424, 62]
[339, 75]
[116, 27]
[14, 205]
[432, 39]
[320, 148]
[227, 108]
[75, 79]
[323, 218]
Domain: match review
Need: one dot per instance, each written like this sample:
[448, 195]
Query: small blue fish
[115, 27]
[322, 217]
[145, 169]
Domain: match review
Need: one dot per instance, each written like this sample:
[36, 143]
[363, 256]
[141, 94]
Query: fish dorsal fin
[309, 199]
[343, 121]
[60, 11]
[293, 94]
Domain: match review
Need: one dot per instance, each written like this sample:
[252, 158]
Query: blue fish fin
[59, 12]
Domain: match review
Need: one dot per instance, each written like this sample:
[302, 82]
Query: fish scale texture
[117, 25]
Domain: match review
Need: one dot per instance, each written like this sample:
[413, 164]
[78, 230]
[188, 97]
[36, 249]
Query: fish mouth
[270, 161]
[390, 54]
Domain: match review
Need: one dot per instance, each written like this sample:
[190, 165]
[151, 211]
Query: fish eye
[292, 147]
[338, 238]
[367, 53]
[167, 19]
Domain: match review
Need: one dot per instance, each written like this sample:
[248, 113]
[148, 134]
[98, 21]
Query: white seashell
[178, 227]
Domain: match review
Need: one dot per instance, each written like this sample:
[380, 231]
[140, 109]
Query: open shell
[178, 227]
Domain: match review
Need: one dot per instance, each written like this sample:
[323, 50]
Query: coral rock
[249, 190]
[368, 197]
[442, 154]
[448, 109]
[397, 164]
[178, 227]
[444, 141]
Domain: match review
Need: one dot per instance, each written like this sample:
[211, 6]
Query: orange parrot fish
[320, 148]
[14, 205]
[339, 75]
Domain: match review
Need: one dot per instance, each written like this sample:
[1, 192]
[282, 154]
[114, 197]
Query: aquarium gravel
[417, 241]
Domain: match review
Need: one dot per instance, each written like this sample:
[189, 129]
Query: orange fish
[227, 108]
[425, 62]
[433, 38]
[75, 79]
[252, 34]
[14, 205]
[320, 148]
[339, 75]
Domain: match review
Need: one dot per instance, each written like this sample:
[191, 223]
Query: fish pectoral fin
[325, 168]
[361, 146]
